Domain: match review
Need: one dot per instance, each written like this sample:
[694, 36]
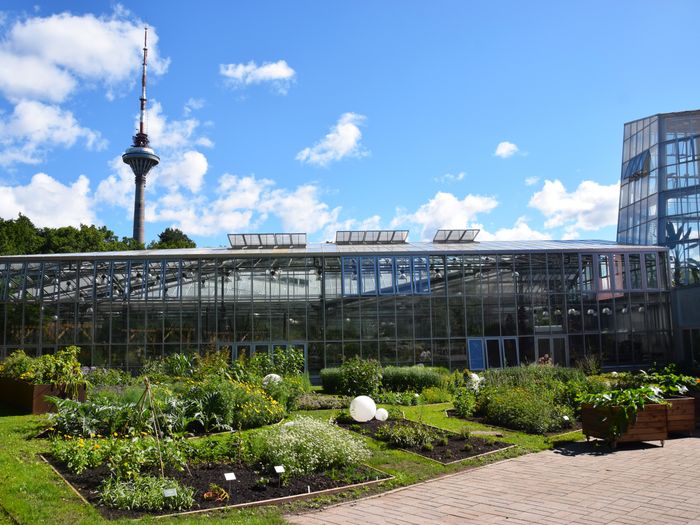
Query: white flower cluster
[310, 445]
[474, 382]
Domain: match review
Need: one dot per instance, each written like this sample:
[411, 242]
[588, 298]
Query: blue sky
[317, 116]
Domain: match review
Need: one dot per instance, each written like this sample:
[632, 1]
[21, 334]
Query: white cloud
[520, 231]
[192, 104]
[342, 141]
[56, 51]
[45, 60]
[35, 126]
[590, 207]
[184, 170]
[505, 149]
[278, 74]
[48, 202]
[450, 177]
[301, 210]
[531, 181]
[445, 210]
[169, 134]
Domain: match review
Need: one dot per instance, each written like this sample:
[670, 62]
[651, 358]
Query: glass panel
[476, 354]
[650, 264]
[369, 276]
[510, 352]
[493, 353]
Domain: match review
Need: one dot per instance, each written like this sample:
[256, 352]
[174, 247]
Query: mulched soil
[454, 450]
[244, 489]
[574, 427]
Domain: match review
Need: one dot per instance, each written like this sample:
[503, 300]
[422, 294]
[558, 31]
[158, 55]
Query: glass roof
[242, 241]
[450, 236]
[371, 237]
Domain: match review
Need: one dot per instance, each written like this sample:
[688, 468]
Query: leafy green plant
[464, 402]
[623, 404]
[532, 410]
[61, 370]
[145, 493]
[407, 435]
[360, 377]
[435, 394]
[398, 398]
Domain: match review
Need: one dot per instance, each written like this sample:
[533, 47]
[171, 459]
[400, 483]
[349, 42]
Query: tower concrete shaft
[140, 157]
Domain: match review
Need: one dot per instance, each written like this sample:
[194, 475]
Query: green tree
[19, 236]
[172, 238]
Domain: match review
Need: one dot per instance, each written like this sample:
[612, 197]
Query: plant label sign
[169, 493]
[230, 476]
[279, 469]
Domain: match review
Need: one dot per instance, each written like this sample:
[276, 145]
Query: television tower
[139, 156]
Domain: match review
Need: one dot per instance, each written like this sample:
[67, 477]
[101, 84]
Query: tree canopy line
[20, 237]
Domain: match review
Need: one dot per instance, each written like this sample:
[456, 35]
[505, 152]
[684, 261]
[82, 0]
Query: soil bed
[574, 427]
[245, 489]
[457, 448]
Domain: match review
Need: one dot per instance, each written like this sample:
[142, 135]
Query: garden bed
[456, 449]
[576, 425]
[246, 490]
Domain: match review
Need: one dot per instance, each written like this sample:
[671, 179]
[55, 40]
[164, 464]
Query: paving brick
[634, 485]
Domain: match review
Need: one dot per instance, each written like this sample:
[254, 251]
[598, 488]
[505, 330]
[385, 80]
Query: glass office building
[452, 302]
[660, 204]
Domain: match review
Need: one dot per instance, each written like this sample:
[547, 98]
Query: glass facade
[478, 305]
[660, 189]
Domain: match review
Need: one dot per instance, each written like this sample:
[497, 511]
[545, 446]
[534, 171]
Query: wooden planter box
[696, 396]
[27, 398]
[681, 414]
[651, 424]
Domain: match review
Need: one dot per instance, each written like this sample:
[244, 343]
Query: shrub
[145, 493]
[465, 402]
[531, 376]
[224, 405]
[101, 377]
[314, 401]
[288, 391]
[331, 380]
[527, 409]
[307, 445]
[411, 378]
[398, 398]
[360, 377]
[407, 435]
[434, 394]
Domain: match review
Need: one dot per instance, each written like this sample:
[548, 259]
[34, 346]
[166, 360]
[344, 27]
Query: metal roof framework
[371, 236]
[455, 236]
[243, 241]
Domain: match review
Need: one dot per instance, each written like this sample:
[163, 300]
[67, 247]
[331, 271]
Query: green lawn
[31, 493]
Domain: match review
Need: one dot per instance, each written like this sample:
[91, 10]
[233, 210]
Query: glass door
[511, 355]
[554, 348]
[493, 353]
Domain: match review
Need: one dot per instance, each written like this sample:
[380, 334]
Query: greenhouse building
[452, 302]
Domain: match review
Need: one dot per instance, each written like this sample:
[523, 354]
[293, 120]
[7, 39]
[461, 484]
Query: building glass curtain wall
[660, 204]
[474, 305]
[660, 189]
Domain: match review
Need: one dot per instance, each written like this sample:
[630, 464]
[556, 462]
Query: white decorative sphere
[381, 414]
[362, 408]
[271, 378]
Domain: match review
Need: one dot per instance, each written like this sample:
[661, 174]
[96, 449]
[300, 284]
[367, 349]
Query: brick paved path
[637, 484]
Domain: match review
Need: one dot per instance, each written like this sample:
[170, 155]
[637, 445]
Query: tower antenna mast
[140, 157]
